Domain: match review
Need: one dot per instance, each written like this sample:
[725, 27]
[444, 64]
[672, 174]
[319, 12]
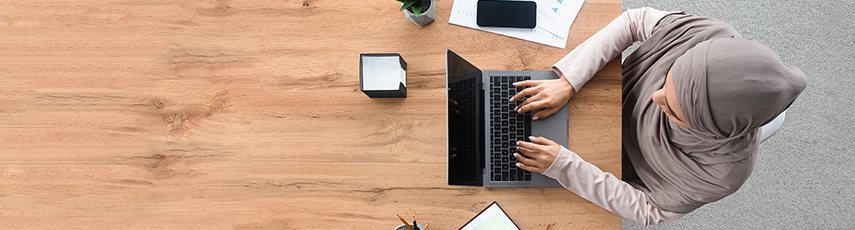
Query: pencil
[405, 222]
[426, 225]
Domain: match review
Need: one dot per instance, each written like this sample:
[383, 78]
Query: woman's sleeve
[605, 190]
[589, 57]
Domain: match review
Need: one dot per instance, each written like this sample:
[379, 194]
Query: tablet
[491, 218]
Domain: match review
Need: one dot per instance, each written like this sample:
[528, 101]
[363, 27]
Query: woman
[695, 94]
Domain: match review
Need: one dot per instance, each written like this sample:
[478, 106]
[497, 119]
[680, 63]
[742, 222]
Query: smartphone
[515, 14]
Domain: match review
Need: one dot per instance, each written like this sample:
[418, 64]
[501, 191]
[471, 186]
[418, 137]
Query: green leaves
[407, 4]
[417, 9]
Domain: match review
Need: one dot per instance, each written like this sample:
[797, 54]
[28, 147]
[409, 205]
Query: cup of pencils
[407, 226]
[404, 227]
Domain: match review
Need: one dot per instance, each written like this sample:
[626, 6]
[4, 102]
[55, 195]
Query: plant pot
[425, 17]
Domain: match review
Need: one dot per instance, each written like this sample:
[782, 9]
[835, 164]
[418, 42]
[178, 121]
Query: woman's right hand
[550, 95]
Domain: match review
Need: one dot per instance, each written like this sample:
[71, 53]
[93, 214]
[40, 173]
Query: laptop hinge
[482, 133]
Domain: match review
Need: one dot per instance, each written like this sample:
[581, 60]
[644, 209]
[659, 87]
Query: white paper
[382, 73]
[556, 16]
[554, 19]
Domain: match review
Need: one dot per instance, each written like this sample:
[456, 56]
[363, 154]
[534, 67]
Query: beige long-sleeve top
[583, 178]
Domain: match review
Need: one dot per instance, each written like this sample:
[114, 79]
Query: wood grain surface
[221, 114]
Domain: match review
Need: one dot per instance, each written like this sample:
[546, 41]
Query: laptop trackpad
[553, 127]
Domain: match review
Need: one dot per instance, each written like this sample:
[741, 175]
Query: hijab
[728, 87]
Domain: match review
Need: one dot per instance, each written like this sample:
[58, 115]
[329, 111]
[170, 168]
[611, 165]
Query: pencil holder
[404, 227]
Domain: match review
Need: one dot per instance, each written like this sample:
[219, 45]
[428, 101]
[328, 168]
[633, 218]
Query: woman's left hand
[539, 154]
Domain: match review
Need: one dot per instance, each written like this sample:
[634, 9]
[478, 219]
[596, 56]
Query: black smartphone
[516, 14]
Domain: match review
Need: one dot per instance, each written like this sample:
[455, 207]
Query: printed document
[554, 18]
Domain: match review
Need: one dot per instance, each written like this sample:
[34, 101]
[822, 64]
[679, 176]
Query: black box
[383, 75]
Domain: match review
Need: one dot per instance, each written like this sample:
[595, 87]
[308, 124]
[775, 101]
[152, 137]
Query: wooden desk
[248, 114]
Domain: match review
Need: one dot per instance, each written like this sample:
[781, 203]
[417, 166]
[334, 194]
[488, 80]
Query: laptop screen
[465, 121]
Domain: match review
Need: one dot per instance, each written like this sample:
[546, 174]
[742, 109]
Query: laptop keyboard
[507, 127]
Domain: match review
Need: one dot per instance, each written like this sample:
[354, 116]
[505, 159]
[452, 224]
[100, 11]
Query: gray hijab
[727, 87]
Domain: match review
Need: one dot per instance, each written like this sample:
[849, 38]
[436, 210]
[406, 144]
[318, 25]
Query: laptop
[483, 128]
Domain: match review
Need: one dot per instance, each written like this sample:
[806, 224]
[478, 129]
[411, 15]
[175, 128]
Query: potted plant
[420, 12]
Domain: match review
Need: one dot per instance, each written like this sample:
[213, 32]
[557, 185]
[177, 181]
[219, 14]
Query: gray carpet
[804, 177]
